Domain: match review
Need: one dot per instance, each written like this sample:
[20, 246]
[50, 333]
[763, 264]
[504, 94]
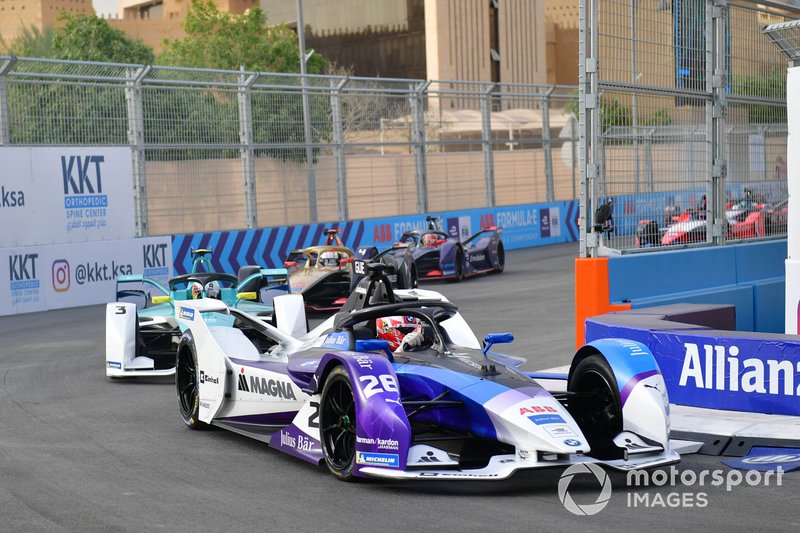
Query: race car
[745, 220]
[437, 255]
[142, 330]
[324, 274]
[443, 409]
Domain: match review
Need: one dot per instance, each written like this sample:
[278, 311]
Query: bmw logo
[572, 442]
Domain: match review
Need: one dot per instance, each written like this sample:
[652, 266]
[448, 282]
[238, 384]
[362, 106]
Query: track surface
[79, 452]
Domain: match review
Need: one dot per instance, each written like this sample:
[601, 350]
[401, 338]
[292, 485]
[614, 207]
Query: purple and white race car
[447, 409]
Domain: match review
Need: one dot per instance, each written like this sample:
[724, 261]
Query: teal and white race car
[143, 328]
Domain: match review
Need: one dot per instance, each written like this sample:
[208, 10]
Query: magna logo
[83, 184]
[155, 260]
[266, 387]
[9, 198]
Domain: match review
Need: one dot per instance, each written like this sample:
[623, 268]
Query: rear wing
[489, 229]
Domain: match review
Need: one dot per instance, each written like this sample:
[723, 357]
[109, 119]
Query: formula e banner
[39, 278]
[523, 226]
[747, 372]
[51, 195]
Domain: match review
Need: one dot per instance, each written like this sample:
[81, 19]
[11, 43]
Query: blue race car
[443, 409]
[435, 254]
[142, 330]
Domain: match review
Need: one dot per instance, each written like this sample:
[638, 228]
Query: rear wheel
[337, 422]
[596, 407]
[186, 383]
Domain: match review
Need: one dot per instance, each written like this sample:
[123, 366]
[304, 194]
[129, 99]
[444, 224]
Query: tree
[88, 38]
[31, 42]
[226, 41]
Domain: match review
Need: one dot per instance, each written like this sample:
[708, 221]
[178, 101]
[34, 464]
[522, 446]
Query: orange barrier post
[591, 293]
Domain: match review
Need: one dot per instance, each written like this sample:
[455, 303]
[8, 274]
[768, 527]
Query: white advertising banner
[39, 278]
[51, 195]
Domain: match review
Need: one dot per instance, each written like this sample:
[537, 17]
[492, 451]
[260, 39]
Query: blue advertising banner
[741, 371]
[524, 226]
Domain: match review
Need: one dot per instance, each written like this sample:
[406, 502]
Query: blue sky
[105, 6]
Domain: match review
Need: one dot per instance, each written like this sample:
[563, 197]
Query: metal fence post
[5, 116]
[246, 151]
[716, 82]
[486, 142]
[546, 144]
[417, 104]
[338, 140]
[133, 98]
[589, 121]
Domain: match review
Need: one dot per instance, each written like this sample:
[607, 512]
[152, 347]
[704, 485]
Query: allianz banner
[735, 371]
[39, 278]
[50, 195]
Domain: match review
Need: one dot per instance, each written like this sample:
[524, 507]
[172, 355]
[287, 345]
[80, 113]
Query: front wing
[503, 466]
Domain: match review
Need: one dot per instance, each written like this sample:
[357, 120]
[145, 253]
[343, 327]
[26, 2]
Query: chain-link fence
[218, 150]
[683, 124]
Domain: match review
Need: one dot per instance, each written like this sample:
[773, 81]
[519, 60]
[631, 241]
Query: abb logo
[382, 233]
[533, 409]
[487, 220]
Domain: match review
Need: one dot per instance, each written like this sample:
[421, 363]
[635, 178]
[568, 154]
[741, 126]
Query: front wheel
[186, 382]
[596, 405]
[501, 258]
[459, 275]
[337, 422]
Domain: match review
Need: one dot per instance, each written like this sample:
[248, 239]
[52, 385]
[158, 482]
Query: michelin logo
[378, 459]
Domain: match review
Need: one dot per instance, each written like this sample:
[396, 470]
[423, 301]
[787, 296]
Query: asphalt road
[79, 452]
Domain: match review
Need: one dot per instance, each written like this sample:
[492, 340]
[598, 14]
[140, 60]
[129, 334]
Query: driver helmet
[213, 290]
[196, 289]
[429, 239]
[329, 259]
[394, 328]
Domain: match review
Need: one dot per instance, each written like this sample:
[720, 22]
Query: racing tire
[459, 264]
[501, 258]
[596, 407]
[414, 277]
[337, 422]
[186, 384]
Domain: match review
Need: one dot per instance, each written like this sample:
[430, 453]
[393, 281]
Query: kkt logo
[155, 260]
[22, 267]
[61, 275]
[83, 182]
[24, 283]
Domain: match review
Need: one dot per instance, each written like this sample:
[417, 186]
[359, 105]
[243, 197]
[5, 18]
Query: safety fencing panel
[683, 125]
[219, 150]
[523, 226]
